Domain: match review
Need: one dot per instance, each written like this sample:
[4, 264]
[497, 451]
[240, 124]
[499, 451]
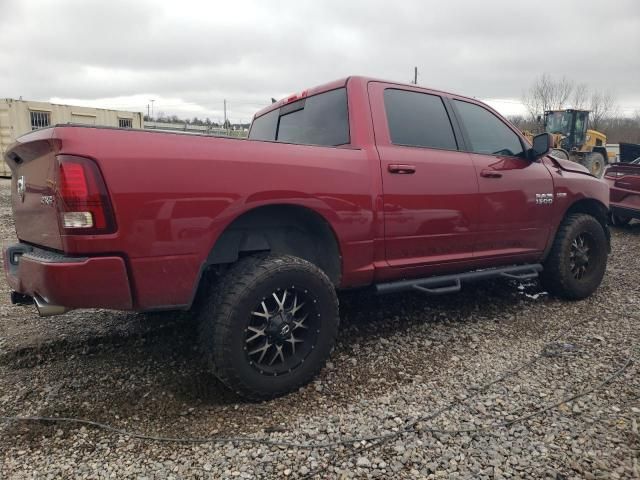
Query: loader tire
[559, 153]
[595, 163]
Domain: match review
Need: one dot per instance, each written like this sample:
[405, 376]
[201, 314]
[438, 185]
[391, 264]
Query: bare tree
[602, 106]
[547, 94]
[622, 129]
[517, 120]
[580, 97]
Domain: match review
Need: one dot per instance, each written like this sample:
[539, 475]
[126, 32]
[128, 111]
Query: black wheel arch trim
[238, 238]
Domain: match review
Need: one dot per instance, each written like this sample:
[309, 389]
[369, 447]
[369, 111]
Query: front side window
[418, 120]
[487, 133]
[40, 119]
[322, 119]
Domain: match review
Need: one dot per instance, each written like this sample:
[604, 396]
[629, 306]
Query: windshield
[558, 122]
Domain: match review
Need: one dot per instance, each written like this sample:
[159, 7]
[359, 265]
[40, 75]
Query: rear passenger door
[515, 196]
[429, 186]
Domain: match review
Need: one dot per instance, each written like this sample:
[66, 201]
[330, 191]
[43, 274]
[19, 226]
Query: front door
[515, 196]
[429, 186]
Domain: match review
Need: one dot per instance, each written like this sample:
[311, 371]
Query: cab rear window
[322, 119]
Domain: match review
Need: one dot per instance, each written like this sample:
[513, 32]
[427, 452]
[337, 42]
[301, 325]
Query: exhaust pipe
[45, 309]
[18, 298]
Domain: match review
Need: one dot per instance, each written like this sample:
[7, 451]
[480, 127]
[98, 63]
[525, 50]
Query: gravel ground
[414, 369]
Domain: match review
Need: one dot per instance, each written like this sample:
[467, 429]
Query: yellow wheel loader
[572, 140]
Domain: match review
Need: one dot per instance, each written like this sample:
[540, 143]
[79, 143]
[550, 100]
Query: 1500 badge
[46, 200]
[544, 198]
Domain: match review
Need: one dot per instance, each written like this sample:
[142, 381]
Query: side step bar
[439, 285]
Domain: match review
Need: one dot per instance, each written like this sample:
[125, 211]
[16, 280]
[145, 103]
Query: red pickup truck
[355, 183]
[624, 191]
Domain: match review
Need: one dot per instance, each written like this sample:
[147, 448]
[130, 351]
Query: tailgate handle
[488, 173]
[402, 168]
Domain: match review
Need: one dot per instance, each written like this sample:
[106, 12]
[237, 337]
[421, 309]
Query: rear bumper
[71, 282]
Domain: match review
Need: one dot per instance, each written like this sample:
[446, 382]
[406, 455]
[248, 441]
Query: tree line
[206, 122]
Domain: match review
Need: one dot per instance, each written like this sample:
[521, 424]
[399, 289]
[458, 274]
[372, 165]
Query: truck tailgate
[33, 165]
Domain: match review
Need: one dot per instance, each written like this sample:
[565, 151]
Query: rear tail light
[83, 203]
[614, 175]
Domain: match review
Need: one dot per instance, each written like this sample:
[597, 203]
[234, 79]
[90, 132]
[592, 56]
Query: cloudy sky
[190, 56]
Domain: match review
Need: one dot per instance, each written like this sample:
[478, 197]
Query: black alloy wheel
[282, 330]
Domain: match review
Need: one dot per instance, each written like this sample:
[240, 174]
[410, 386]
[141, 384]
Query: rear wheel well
[281, 230]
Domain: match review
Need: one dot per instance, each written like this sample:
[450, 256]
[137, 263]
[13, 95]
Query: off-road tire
[226, 313]
[595, 163]
[618, 221]
[559, 153]
[558, 278]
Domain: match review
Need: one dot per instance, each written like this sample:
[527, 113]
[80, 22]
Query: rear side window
[418, 119]
[264, 127]
[318, 120]
[487, 133]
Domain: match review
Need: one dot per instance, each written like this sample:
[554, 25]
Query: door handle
[401, 168]
[487, 173]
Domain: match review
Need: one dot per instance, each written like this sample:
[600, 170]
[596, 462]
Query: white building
[18, 117]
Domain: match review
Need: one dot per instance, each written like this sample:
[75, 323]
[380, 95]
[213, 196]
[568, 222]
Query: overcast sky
[191, 55]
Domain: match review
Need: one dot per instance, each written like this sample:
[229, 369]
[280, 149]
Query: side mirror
[541, 146]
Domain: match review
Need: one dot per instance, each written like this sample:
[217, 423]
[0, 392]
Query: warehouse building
[18, 117]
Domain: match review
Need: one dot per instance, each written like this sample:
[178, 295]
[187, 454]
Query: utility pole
[152, 107]
[225, 114]
[148, 114]
[415, 75]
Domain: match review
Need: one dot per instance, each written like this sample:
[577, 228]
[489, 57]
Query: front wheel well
[591, 207]
[281, 230]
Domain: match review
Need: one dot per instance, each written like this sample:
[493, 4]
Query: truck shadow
[633, 228]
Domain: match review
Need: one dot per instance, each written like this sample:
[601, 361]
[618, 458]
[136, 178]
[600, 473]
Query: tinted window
[319, 120]
[486, 132]
[264, 127]
[418, 119]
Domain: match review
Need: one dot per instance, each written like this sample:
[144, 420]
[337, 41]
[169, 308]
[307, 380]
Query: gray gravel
[405, 363]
